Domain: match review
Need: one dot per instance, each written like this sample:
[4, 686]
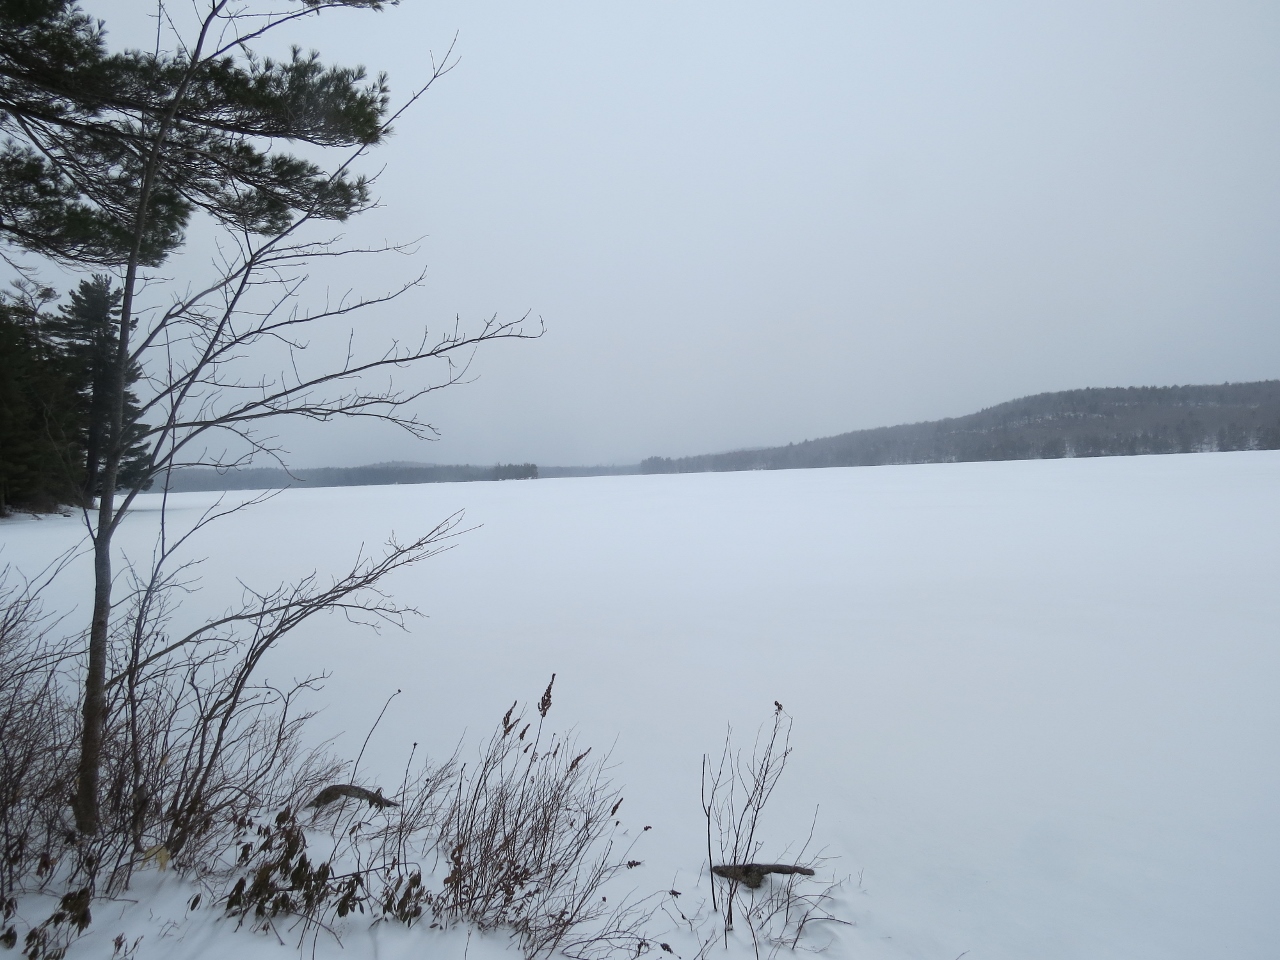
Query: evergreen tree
[86, 331]
[40, 457]
[108, 155]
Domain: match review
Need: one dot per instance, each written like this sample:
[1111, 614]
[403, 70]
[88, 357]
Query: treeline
[1101, 422]
[609, 470]
[56, 383]
[50, 425]
[268, 478]
[377, 474]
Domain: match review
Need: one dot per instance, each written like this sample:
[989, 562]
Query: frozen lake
[1036, 702]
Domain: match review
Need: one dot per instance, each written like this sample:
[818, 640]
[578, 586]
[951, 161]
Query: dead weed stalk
[776, 901]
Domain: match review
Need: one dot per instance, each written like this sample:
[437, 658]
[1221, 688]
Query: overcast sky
[746, 224]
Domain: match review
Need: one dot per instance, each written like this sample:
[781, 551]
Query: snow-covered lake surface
[1036, 703]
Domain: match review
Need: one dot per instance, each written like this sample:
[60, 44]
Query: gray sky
[746, 224]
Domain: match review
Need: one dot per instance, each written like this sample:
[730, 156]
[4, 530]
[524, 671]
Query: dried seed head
[545, 703]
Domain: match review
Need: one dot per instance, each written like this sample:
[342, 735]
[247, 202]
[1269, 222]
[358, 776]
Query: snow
[1035, 702]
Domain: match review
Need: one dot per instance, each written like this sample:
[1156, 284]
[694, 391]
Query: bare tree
[145, 141]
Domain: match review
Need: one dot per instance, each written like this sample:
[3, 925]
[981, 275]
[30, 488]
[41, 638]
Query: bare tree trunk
[95, 702]
[85, 806]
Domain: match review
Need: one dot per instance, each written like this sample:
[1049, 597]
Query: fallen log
[339, 790]
[753, 874]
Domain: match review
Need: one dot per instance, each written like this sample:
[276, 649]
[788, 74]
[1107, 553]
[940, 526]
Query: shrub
[776, 901]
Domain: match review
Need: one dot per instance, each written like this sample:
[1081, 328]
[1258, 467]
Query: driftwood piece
[753, 874]
[339, 790]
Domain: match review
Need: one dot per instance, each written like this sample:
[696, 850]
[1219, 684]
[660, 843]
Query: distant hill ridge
[1094, 422]
[376, 474]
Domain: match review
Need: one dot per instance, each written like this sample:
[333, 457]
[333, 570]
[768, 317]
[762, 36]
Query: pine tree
[86, 332]
[40, 456]
[108, 155]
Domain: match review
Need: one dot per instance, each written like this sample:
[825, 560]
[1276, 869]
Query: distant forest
[267, 478]
[1105, 422]
[1099, 422]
